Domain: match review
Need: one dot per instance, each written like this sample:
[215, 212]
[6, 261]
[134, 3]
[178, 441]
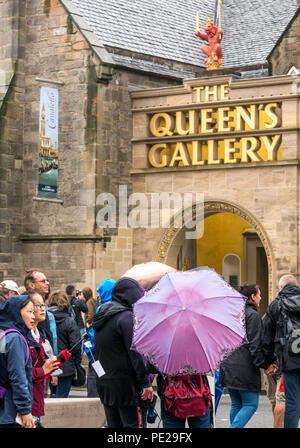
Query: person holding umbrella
[201, 417]
[184, 326]
[240, 372]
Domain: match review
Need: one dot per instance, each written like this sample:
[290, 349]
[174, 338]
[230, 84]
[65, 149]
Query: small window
[232, 269]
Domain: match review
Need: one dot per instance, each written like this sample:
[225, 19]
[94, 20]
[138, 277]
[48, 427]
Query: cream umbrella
[147, 274]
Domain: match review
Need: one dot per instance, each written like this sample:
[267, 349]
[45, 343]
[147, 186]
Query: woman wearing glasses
[16, 319]
[41, 367]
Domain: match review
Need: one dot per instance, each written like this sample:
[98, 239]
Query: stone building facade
[285, 54]
[51, 43]
[263, 191]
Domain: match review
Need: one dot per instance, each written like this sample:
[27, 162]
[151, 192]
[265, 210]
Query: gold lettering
[272, 145]
[249, 148]
[212, 148]
[195, 152]
[245, 116]
[198, 93]
[179, 154]
[181, 123]
[229, 150]
[270, 112]
[223, 118]
[163, 157]
[224, 92]
[207, 120]
[211, 91]
[159, 130]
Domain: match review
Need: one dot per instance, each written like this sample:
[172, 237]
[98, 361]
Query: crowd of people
[44, 334]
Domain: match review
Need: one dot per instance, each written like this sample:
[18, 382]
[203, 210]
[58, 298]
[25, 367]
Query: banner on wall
[48, 142]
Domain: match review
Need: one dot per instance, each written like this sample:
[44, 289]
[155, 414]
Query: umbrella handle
[85, 336]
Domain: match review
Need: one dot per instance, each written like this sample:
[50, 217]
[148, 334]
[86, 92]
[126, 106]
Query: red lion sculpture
[213, 35]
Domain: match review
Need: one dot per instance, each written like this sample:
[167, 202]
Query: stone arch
[219, 206]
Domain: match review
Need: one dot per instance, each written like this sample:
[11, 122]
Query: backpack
[2, 388]
[72, 311]
[288, 337]
[187, 396]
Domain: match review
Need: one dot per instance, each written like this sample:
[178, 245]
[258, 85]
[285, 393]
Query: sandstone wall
[267, 193]
[12, 92]
[286, 54]
[95, 130]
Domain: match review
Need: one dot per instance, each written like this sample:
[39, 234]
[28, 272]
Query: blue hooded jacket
[14, 375]
[104, 291]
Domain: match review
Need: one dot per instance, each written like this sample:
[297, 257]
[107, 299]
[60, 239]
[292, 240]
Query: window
[231, 270]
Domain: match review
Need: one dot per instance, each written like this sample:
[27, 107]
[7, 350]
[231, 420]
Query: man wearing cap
[8, 288]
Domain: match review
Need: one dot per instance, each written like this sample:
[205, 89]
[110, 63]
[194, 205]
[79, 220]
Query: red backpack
[187, 396]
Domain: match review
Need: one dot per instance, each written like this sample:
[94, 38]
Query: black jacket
[68, 335]
[78, 306]
[125, 370]
[241, 369]
[273, 346]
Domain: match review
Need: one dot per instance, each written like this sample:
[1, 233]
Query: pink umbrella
[189, 322]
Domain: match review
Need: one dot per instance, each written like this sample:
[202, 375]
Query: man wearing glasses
[36, 280]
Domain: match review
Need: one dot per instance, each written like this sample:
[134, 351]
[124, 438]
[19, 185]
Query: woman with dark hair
[68, 334]
[16, 319]
[240, 372]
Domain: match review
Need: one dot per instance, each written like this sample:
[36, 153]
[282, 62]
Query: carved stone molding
[212, 207]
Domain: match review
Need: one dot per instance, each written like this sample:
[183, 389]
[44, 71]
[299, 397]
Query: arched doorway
[223, 248]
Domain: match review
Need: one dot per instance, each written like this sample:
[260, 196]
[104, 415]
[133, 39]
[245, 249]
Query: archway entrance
[233, 243]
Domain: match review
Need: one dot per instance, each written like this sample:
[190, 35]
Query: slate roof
[253, 26]
[165, 29]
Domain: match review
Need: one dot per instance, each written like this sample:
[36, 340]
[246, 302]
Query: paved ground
[263, 418]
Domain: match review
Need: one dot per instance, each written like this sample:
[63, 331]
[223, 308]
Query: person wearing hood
[104, 292]
[68, 334]
[275, 345]
[125, 386]
[17, 313]
[240, 372]
[104, 295]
